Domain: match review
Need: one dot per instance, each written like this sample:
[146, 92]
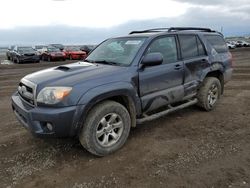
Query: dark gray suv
[125, 81]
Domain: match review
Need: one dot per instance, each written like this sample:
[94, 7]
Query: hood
[73, 74]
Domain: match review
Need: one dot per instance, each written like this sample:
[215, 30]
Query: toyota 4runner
[125, 81]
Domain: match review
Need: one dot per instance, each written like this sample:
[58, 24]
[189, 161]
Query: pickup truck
[124, 82]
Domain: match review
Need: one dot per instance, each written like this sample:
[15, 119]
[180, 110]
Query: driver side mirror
[152, 59]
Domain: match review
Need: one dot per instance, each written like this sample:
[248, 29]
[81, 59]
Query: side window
[217, 42]
[188, 45]
[167, 47]
[201, 49]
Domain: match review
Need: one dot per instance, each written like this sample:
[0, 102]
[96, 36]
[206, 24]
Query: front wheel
[209, 93]
[106, 128]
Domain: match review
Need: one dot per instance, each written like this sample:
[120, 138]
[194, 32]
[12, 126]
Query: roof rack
[173, 29]
[149, 30]
[190, 28]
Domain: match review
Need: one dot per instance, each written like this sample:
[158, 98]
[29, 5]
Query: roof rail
[190, 28]
[171, 29]
[150, 30]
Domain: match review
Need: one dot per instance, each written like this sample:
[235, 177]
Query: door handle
[177, 67]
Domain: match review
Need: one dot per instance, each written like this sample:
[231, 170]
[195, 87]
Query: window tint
[201, 49]
[188, 46]
[217, 42]
[167, 47]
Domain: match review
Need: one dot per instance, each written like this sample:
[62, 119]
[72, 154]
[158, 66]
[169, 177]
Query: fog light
[49, 126]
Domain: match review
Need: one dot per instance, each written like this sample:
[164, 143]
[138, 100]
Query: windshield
[120, 51]
[54, 50]
[26, 50]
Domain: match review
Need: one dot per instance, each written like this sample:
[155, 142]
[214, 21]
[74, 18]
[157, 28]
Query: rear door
[195, 60]
[162, 84]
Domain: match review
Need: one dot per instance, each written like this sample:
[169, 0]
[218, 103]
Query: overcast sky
[91, 21]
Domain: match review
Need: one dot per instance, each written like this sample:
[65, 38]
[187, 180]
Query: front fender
[102, 92]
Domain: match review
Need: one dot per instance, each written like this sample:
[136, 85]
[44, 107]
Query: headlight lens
[53, 95]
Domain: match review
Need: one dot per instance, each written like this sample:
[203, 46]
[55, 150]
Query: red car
[51, 54]
[74, 53]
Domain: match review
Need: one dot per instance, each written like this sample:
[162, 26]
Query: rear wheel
[106, 128]
[209, 93]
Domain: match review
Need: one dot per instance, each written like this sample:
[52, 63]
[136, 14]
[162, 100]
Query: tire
[49, 59]
[8, 57]
[209, 93]
[111, 114]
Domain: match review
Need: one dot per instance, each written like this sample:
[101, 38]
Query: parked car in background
[230, 45]
[9, 52]
[244, 43]
[40, 48]
[24, 54]
[51, 54]
[59, 46]
[87, 48]
[74, 53]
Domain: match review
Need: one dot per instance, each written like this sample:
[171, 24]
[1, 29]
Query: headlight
[53, 95]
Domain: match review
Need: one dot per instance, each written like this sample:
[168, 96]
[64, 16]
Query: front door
[162, 84]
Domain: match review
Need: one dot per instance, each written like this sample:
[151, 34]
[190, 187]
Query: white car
[242, 43]
[40, 48]
[230, 45]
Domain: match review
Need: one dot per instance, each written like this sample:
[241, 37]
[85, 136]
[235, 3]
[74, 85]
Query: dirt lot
[189, 148]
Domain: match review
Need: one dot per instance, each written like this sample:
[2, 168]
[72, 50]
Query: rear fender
[213, 68]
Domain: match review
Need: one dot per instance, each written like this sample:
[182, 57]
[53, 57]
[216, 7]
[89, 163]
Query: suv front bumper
[64, 121]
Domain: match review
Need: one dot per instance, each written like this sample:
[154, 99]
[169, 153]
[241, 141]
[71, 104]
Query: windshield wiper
[107, 62]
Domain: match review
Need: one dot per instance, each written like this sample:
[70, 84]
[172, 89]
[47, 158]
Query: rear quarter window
[217, 42]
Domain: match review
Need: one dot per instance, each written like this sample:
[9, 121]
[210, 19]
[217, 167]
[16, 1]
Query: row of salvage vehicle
[236, 44]
[53, 52]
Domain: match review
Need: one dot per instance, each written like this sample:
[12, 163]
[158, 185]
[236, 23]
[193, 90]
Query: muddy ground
[188, 148]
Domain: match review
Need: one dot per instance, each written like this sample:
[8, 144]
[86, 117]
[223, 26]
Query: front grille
[26, 90]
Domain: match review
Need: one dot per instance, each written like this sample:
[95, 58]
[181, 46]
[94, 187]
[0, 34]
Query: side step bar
[165, 112]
